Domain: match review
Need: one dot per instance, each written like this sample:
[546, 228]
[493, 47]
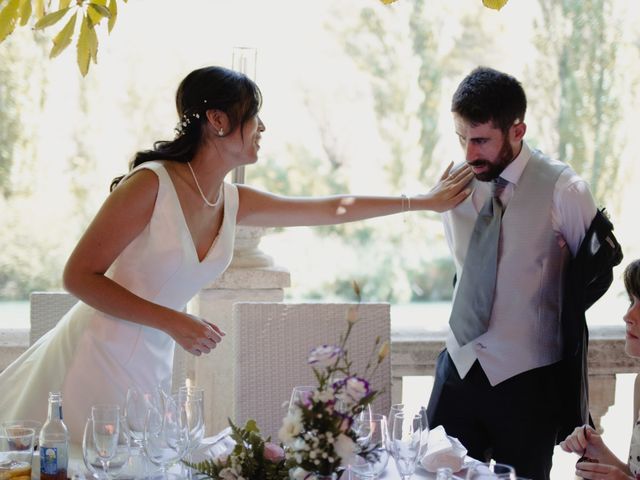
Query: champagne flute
[166, 434]
[395, 408]
[135, 410]
[106, 429]
[90, 453]
[405, 443]
[491, 471]
[191, 400]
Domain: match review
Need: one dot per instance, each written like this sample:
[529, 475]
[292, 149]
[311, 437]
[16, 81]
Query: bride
[165, 231]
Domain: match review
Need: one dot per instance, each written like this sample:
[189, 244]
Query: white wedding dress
[94, 358]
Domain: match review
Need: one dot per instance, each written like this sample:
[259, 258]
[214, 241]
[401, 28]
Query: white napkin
[443, 451]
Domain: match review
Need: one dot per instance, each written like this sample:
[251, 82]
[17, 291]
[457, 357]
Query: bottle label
[52, 459]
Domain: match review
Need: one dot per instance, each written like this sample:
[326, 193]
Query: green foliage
[579, 79]
[90, 12]
[247, 457]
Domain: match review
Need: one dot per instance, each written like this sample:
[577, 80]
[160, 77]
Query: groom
[497, 383]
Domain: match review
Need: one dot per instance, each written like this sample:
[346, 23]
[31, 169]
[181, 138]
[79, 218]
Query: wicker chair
[47, 308]
[272, 342]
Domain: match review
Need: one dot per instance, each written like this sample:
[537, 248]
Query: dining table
[212, 446]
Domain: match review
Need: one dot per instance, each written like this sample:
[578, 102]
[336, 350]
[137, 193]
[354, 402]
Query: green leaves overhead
[87, 13]
[8, 18]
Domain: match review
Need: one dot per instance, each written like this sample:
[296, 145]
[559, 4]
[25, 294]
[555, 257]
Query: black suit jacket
[588, 277]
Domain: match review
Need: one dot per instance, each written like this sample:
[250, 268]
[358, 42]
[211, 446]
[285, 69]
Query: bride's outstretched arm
[265, 209]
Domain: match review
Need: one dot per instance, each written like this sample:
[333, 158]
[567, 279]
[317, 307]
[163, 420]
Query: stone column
[251, 277]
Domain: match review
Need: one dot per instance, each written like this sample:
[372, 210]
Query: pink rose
[273, 453]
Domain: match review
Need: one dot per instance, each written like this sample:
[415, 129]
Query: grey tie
[472, 306]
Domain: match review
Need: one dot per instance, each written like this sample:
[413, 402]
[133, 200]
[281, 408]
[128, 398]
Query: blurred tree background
[356, 99]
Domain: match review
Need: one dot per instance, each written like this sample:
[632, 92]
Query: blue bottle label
[49, 460]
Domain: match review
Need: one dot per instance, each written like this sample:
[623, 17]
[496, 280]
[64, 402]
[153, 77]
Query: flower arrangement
[252, 458]
[317, 432]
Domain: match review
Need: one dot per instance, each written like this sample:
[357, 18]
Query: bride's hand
[450, 190]
[196, 335]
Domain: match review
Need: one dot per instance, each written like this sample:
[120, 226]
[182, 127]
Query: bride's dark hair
[208, 88]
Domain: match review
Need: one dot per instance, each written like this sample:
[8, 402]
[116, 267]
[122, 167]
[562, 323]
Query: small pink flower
[345, 423]
[273, 453]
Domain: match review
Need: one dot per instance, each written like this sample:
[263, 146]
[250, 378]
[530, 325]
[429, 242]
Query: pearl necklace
[214, 204]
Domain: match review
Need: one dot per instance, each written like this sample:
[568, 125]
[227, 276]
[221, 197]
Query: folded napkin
[443, 451]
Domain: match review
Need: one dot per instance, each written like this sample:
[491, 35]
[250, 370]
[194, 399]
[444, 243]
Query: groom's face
[487, 149]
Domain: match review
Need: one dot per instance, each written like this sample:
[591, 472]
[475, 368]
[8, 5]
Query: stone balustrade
[414, 353]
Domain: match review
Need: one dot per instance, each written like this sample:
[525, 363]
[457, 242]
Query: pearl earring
[220, 132]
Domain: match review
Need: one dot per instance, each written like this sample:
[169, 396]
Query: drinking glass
[166, 435]
[135, 410]
[106, 429]
[13, 426]
[299, 395]
[16, 453]
[491, 471]
[90, 453]
[373, 442]
[405, 443]
[395, 408]
[191, 400]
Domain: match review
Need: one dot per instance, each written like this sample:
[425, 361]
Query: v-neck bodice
[162, 263]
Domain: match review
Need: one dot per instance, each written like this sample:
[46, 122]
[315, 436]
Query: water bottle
[54, 442]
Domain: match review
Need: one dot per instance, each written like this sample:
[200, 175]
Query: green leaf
[64, 4]
[84, 46]
[39, 9]
[113, 10]
[51, 18]
[25, 11]
[97, 12]
[8, 18]
[63, 38]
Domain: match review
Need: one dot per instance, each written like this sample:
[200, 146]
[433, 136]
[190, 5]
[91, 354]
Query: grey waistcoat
[524, 329]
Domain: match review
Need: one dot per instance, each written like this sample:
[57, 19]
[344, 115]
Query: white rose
[346, 449]
[228, 474]
[291, 426]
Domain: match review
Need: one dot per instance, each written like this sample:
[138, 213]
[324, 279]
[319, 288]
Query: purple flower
[324, 355]
[355, 389]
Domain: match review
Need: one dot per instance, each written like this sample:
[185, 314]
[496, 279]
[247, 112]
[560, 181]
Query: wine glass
[299, 395]
[491, 471]
[135, 410]
[166, 434]
[405, 443]
[373, 457]
[191, 399]
[106, 429]
[120, 465]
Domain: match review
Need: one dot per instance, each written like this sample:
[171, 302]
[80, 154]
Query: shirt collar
[514, 170]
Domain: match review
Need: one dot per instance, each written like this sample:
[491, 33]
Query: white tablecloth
[76, 466]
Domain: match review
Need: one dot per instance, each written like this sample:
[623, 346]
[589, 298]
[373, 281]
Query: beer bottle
[54, 442]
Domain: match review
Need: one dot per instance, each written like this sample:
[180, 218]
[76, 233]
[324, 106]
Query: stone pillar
[602, 394]
[251, 277]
